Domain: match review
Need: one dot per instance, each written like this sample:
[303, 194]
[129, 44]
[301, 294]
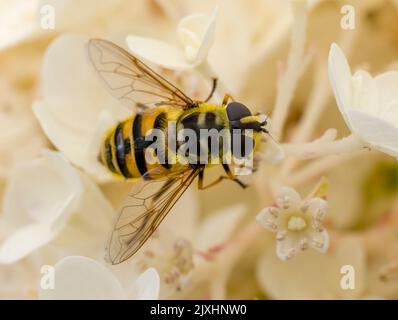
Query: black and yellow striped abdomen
[123, 149]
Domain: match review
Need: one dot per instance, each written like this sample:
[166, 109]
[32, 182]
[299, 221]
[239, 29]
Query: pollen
[296, 223]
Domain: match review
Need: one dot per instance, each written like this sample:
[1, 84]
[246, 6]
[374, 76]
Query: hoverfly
[123, 148]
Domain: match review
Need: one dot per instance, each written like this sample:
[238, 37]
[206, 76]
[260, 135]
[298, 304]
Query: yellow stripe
[130, 160]
[113, 151]
[147, 124]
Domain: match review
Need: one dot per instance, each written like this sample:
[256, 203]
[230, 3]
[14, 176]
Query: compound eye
[237, 111]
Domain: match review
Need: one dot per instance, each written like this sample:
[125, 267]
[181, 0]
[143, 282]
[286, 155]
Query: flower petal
[147, 286]
[287, 197]
[287, 247]
[197, 31]
[365, 95]
[82, 278]
[24, 241]
[319, 240]
[267, 218]
[72, 91]
[386, 84]
[41, 191]
[317, 207]
[377, 132]
[78, 146]
[340, 79]
[158, 52]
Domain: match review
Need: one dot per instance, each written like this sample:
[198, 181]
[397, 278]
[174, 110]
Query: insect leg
[213, 89]
[201, 181]
[232, 177]
[226, 98]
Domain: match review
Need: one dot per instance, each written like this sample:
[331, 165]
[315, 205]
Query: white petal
[288, 247]
[317, 207]
[319, 240]
[87, 231]
[365, 95]
[197, 31]
[83, 278]
[71, 89]
[24, 241]
[387, 83]
[147, 286]
[287, 197]
[388, 94]
[217, 229]
[340, 79]
[41, 191]
[267, 218]
[377, 132]
[158, 52]
[79, 147]
[208, 39]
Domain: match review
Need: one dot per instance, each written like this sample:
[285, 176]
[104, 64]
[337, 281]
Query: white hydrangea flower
[296, 222]
[75, 111]
[369, 105]
[82, 278]
[196, 35]
[41, 197]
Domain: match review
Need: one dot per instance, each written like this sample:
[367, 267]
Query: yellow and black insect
[123, 148]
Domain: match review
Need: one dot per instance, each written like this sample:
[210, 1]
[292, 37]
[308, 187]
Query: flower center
[296, 223]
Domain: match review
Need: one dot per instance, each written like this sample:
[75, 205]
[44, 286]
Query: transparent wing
[130, 80]
[143, 211]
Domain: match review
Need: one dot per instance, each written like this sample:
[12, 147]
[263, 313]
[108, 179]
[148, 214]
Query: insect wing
[130, 80]
[143, 211]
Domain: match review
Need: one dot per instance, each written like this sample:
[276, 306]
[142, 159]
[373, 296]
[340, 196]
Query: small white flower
[296, 222]
[172, 256]
[369, 105]
[40, 198]
[83, 278]
[196, 35]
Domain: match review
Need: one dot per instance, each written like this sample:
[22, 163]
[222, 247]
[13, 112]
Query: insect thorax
[203, 133]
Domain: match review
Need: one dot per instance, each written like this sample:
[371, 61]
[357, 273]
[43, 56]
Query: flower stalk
[318, 149]
[288, 81]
